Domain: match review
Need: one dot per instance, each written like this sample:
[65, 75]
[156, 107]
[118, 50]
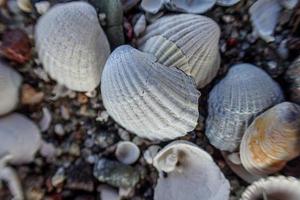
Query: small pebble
[59, 177]
[59, 129]
[42, 7]
[30, 96]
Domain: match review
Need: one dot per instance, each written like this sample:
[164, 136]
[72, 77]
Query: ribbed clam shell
[20, 138]
[10, 82]
[72, 46]
[147, 98]
[279, 188]
[191, 174]
[272, 140]
[292, 77]
[188, 42]
[245, 92]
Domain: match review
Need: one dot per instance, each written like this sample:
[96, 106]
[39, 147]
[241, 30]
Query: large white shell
[188, 42]
[10, 82]
[264, 16]
[72, 46]
[281, 188]
[20, 138]
[147, 98]
[191, 174]
[245, 92]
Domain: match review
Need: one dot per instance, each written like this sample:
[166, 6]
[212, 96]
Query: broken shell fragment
[244, 93]
[272, 140]
[10, 83]
[292, 78]
[127, 152]
[188, 42]
[147, 98]
[279, 188]
[191, 174]
[72, 46]
[20, 138]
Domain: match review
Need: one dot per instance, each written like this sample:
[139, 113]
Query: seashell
[191, 174]
[127, 152]
[25, 5]
[279, 188]
[292, 77]
[72, 46]
[20, 138]
[264, 15]
[152, 6]
[10, 83]
[188, 42]
[244, 93]
[140, 25]
[150, 153]
[227, 2]
[147, 98]
[272, 140]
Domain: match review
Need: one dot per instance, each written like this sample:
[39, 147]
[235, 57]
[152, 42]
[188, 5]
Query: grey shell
[10, 83]
[147, 98]
[72, 46]
[186, 41]
[245, 92]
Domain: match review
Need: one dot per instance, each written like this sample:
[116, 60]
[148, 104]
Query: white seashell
[289, 4]
[72, 46]
[152, 6]
[127, 152]
[46, 120]
[150, 153]
[20, 138]
[264, 16]
[147, 98]
[10, 83]
[25, 5]
[140, 26]
[285, 188]
[227, 2]
[188, 42]
[189, 6]
[42, 7]
[191, 174]
[244, 93]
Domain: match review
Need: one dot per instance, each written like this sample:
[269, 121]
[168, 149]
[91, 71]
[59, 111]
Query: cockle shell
[147, 98]
[272, 140]
[20, 138]
[127, 152]
[191, 174]
[245, 92]
[72, 46]
[292, 76]
[10, 83]
[273, 188]
[188, 42]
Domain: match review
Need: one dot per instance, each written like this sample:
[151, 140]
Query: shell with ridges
[10, 83]
[72, 46]
[20, 138]
[245, 92]
[188, 42]
[147, 98]
[191, 174]
[281, 188]
[272, 140]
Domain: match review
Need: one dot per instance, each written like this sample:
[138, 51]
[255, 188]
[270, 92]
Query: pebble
[31, 96]
[42, 7]
[116, 174]
[124, 135]
[103, 117]
[59, 177]
[46, 119]
[59, 129]
[105, 138]
[74, 149]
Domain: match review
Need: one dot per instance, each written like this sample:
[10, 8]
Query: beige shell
[191, 174]
[20, 138]
[272, 140]
[273, 188]
[10, 83]
[244, 93]
[147, 98]
[72, 46]
[186, 41]
[127, 152]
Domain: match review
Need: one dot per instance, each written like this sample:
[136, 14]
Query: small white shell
[10, 83]
[244, 93]
[72, 46]
[191, 174]
[127, 152]
[188, 42]
[140, 26]
[285, 188]
[150, 153]
[147, 98]
[20, 138]
[152, 6]
[264, 15]
[227, 2]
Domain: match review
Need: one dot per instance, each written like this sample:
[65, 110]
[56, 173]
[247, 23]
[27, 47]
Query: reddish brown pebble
[82, 99]
[30, 96]
[16, 46]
